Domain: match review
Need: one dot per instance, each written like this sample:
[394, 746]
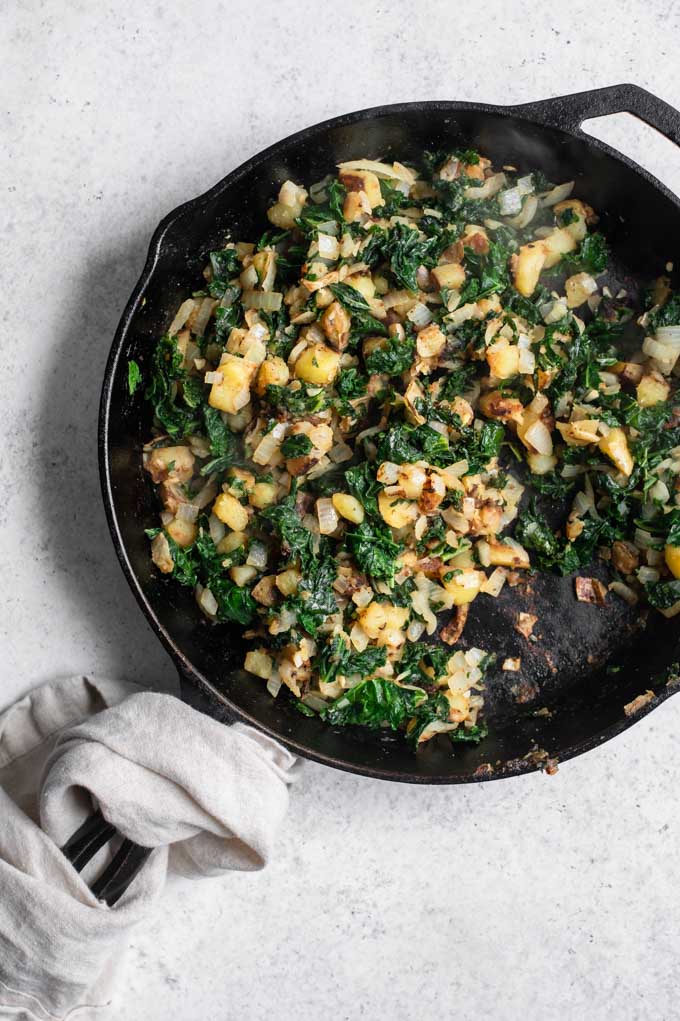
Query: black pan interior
[585, 663]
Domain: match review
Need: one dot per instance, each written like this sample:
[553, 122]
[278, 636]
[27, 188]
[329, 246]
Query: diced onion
[647, 575]
[510, 202]
[166, 517]
[669, 336]
[213, 377]
[274, 685]
[187, 512]
[183, 313]
[269, 445]
[327, 515]
[200, 321]
[528, 212]
[625, 591]
[495, 582]
[419, 315]
[491, 186]
[557, 194]
[265, 301]
[394, 171]
[216, 528]
[538, 435]
[207, 603]
[527, 361]
[257, 555]
[328, 246]
[525, 185]
[659, 492]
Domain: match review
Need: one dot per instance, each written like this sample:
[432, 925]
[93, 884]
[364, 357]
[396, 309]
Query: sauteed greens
[350, 411]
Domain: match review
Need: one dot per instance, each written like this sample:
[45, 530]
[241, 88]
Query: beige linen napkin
[207, 797]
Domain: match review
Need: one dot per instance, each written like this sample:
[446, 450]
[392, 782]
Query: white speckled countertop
[541, 898]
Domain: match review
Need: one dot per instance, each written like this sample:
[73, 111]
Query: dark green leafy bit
[552, 485]
[555, 554]
[663, 594]
[422, 663]
[296, 446]
[201, 562]
[374, 550]
[373, 704]
[404, 443]
[174, 395]
[315, 600]
[364, 486]
[350, 385]
[362, 319]
[225, 266]
[296, 402]
[394, 200]
[222, 442]
[313, 215]
[592, 256]
[457, 382]
[668, 314]
[335, 658]
[486, 273]
[134, 376]
[392, 358]
[296, 541]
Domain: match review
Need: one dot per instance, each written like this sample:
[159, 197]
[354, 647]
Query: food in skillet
[350, 412]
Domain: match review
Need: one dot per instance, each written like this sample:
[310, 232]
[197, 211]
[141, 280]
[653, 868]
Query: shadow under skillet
[73, 519]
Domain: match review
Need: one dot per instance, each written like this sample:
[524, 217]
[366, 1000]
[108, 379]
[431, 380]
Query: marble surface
[551, 898]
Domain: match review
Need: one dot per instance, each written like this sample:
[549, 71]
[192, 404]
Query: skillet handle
[569, 112]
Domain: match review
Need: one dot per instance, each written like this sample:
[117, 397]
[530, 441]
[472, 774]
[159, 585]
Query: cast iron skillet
[587, 663]
[568, 670]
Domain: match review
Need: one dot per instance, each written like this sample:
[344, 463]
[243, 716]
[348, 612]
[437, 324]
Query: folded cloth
[207, 797]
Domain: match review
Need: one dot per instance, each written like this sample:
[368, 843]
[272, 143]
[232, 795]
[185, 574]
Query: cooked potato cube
[503, 358]
[463, 584]
[651, 390]
[273, 372]
[183, 532]
[260, 663]
[287, 582]
[615, 446]
[377, 619]
[362, 283]
[233, 392]
[228, 509]
[317, 364]
[557, 244]
[231, 541]
[396, 511]
[363, 181]
[584, 214]
[242, 575]
[502, 554]
[579, 288]
[451, 275]
[263, 495]
[348, 507]
[430, 341]
[175, 462]
[527, 265]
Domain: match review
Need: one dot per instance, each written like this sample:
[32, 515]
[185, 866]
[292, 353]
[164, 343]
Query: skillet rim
[188, 673]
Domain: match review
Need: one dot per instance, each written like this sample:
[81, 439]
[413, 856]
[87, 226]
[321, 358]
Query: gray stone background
[535, 898]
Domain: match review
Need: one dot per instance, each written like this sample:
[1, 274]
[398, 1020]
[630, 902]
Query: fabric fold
[208, 798]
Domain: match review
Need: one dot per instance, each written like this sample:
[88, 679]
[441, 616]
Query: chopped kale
[134, 377]
[296, 446]
[392, 358]
[373, 704]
